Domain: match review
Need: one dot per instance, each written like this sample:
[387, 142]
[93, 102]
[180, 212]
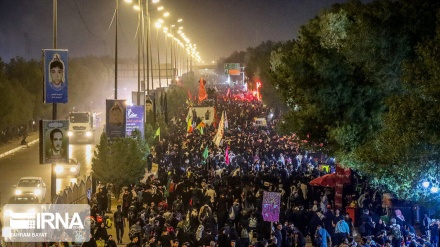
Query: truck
[81, 127]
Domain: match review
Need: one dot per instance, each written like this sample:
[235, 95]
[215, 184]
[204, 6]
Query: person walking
[118, 217]
[321, 237]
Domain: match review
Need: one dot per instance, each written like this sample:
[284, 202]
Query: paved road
[17, 161]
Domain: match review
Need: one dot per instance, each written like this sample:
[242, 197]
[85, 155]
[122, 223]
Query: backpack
[244, 233]
[177, 205]
[395, 231]
[252, 222]
[232, 213]
[172, 187]
[131, 215]
[318, 238]
[362, 230]
[199, 232]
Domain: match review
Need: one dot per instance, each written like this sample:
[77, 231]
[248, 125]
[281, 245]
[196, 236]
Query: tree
[346, 87]
[120, 162]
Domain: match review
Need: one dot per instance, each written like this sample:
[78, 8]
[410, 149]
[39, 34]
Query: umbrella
[328, 180]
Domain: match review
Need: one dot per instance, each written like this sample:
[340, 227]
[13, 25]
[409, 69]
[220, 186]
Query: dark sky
[218, 27]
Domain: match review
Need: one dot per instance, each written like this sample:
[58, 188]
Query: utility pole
[53, 178]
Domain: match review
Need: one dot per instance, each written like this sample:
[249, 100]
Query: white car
[31, 186]
[70, 169]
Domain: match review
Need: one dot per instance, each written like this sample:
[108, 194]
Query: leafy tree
[346, 87]
[411, 136]
[121, 162]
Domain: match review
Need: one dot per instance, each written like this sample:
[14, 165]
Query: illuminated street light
[434, 189]
[166, 14]
[160, 8]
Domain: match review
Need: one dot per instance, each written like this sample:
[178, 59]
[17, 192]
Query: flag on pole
[219, 135]
[205, 153]
[200, 127]
[157, 132]
[202, 90]
[189, 125]
[227, 156]
[226, 122]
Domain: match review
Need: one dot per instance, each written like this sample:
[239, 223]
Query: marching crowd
[215, 198]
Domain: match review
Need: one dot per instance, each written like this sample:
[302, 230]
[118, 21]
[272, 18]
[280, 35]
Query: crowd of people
[216, 200]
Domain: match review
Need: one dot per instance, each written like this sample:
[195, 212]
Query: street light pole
[158, 57]
[139, 53]
[148, 51]
[53, 178]
[116, 49]
[166, 58]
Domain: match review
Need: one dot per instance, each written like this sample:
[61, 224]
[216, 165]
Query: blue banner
[115, 118]
[135, 119]
[55, 76]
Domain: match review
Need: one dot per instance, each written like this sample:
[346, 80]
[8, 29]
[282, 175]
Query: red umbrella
[328, 180]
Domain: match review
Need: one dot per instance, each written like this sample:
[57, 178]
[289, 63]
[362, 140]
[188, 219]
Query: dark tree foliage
[361, 79]
[121, 161]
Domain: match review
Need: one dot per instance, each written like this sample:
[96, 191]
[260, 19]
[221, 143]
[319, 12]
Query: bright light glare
[128, 1]
[166, 14]
[136, 7]
[160, 8]
[158, 24]
[155, 1]
[69, 133]
[180, 20]
[434, 189]
[59, 169]
[425, 184]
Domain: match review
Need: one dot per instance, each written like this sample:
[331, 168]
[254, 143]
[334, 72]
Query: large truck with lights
[81, 127]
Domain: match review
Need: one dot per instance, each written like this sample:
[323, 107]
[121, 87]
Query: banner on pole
[135, 119]
[54, 141]
[55, 76]
[115, 118]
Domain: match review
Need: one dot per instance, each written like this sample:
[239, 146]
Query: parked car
[31, 186]
[70, 169]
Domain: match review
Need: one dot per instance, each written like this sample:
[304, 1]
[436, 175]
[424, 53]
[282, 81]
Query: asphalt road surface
[25, 162]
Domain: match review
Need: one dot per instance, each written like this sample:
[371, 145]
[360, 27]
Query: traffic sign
[232, 68]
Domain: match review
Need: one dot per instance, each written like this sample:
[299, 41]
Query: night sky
[218, 27]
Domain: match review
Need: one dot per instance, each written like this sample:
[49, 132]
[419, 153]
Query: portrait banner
[149, 104]
[206, 114]
[55, 76]
[271, 206]
[115, 118]
[135, 119]
[54, 141]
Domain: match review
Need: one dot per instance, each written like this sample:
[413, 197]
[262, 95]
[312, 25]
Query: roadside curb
[18, 148]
